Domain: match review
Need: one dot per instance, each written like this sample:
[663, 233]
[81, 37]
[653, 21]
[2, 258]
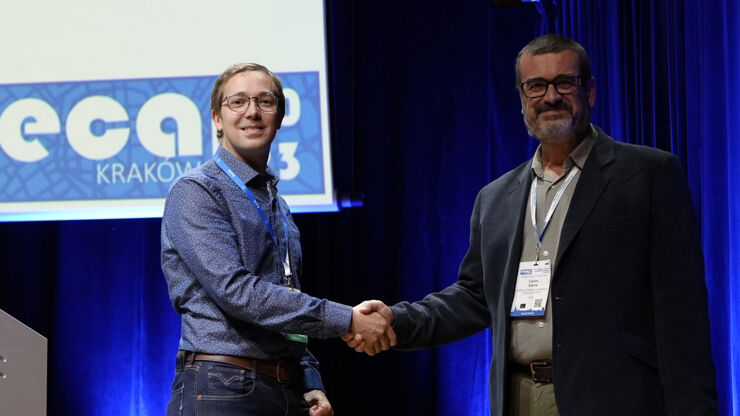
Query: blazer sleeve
[454, 313]
[680, 297]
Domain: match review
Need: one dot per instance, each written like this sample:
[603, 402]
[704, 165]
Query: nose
[551, 94]
[252, 110]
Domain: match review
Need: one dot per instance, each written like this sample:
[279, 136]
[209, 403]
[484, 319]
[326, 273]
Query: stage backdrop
[424, 114]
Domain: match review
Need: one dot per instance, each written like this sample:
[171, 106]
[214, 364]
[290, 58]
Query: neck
[554, 155]
[257, 162]
[258, 165]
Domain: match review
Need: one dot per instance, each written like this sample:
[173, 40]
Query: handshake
[371, 329]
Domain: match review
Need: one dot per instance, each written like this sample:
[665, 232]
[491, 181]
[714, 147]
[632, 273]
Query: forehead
[548, 65]
[250, 82]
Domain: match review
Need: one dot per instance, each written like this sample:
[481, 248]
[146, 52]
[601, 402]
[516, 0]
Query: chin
[561, 132]
[554, 139]
[554, 132]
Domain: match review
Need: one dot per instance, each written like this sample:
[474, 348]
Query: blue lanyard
[553, 205]
[250, 195]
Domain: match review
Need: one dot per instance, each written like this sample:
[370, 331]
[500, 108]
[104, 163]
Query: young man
[231, 255]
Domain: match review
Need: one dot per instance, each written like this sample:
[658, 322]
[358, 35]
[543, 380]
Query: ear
[279, 119]
[217, 120]
[591, 86]
[522, 97]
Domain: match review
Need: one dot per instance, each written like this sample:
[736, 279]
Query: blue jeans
[207, 388]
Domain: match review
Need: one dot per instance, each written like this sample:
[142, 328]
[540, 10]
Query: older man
[584, 261]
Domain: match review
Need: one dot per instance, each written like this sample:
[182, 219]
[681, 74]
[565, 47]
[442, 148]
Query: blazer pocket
[626, 218]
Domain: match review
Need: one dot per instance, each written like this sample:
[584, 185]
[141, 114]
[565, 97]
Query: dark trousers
[207, 388]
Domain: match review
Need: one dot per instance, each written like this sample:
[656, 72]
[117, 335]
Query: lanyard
[553, 205]
[250, 195]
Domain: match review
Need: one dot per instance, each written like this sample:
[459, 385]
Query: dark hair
[555, 43]
[217, 95]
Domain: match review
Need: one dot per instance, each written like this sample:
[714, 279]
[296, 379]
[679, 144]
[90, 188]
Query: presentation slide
[103, 104]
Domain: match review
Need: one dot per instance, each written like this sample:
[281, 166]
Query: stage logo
[125, 140]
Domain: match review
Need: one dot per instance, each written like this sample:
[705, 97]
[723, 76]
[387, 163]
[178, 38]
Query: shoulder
[652, 165]
[605, 147]
[625, 160]
[507, 182]
[642, 153]
[196, 189]
[205, 176]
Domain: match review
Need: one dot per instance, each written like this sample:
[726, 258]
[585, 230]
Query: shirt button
[540, 324]
[545, 253]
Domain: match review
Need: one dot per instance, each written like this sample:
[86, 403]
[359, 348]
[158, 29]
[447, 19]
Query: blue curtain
[713, 141]
[424, 113]
[667, 77]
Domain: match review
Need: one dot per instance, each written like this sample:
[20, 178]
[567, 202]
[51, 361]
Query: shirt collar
[577, 157]
[245, 172]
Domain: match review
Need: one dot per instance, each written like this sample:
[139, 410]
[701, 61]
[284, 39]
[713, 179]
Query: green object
[297, 338]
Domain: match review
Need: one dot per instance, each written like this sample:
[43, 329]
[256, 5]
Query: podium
[22, 369]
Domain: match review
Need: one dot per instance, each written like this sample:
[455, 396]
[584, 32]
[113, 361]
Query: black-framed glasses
[564, 84]
[239, 102]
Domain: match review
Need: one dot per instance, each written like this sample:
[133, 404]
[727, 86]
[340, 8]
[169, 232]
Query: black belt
[539, 371]
[282, 371]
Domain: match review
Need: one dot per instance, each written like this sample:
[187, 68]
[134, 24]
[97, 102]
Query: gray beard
[559, 131]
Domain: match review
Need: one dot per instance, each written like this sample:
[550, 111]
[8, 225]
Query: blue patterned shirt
[226, 277]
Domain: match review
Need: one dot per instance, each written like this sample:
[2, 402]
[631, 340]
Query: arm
[201, 242]
[680, 298]
[312, 384]
[456, 312]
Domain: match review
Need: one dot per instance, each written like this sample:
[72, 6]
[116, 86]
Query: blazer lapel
[588, 190]
[516, 199]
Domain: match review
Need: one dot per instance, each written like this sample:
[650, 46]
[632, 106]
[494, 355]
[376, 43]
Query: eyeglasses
[564, 84]
[239, 102]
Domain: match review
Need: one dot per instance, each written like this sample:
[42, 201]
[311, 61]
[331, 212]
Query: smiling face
[248, 136]
[555, 117]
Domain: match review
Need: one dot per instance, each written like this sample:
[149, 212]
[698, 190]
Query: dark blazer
[630, 322]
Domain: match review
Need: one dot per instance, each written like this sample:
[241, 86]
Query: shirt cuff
[337, 318]
[312, 379]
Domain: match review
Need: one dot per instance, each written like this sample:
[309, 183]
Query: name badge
[532, 287]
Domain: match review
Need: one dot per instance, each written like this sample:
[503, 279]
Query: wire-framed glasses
[239, 102]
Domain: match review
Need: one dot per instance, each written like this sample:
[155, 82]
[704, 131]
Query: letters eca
[33, 116]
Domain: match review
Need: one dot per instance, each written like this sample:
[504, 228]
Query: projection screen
[103, 104]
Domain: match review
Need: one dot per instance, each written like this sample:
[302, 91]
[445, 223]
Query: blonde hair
[217, 95]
